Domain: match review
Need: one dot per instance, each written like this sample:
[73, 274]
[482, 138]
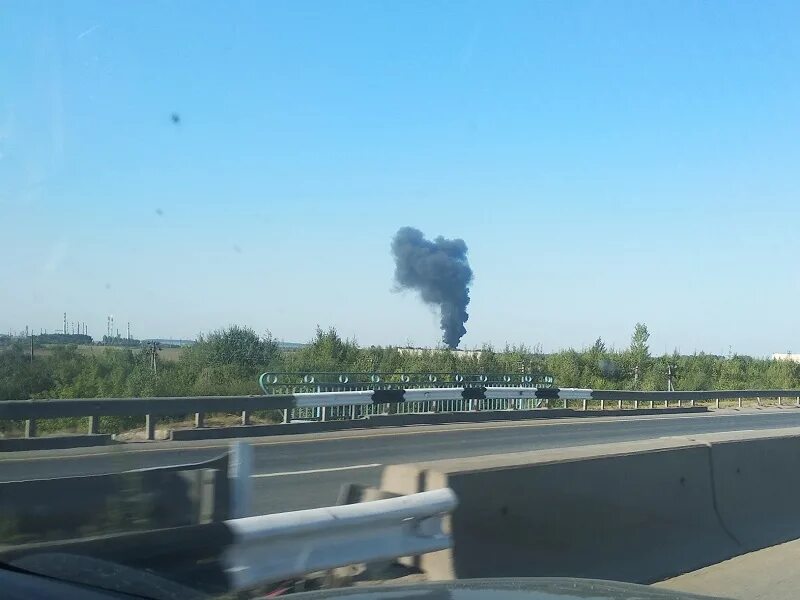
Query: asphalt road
[306, 471]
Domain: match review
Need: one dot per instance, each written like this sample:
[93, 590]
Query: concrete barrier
[53, 442]
[400, 420]
[635, 511]
[757, 485]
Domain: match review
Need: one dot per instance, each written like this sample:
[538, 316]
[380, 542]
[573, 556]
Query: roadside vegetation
[229, 361]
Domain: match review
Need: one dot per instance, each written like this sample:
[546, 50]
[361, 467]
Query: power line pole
[153, 348]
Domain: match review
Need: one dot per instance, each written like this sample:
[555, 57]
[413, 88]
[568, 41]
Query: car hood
[545, 588]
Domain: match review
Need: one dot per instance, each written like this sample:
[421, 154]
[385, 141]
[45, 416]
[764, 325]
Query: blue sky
[605, 162]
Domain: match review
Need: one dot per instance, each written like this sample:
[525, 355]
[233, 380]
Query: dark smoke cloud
[440, 272]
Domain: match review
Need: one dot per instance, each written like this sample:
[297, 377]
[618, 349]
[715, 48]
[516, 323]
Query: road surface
[306, 471]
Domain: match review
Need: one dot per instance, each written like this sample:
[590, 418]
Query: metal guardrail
[237, 554]
[275, 547]
[363, 401]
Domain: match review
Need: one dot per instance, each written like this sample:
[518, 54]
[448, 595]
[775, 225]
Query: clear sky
[605, 162]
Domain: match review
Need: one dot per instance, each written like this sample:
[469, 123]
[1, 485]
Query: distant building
[174, 343]
[788, 356]
[290, 346]
[456, 351]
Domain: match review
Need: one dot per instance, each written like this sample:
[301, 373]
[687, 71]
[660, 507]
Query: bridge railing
[326, 381]
[363, 401]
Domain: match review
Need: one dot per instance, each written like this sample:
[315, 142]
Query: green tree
[640, 351]
[238, 346]
[599, 346]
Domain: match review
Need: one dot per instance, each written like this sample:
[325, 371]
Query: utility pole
[670, 376]
[31, 347]
[153, 348]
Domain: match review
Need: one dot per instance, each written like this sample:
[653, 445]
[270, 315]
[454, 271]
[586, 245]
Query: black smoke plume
[440, 272]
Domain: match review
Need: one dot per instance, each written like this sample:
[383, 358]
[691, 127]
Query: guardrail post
[287, 415]
[209, 483]
[691, 402]
[780, 401]
[30, 428]
[716, 404]
[798, 401]
[565, 403]
[666, 403]
[199, 420]
[150, 426]
[323, 413]
[602, 404]
[740, 403]
[651, 404]
[635, 404]
[619, 404]
[240, 472]
[680, 403]
[94, 425]
[245, 417]
[584, 404]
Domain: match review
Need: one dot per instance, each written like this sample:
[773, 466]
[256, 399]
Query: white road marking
[348, 468]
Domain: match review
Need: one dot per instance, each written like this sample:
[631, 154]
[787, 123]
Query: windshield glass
[360, 235]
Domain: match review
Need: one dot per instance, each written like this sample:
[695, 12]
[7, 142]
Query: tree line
[228, 362]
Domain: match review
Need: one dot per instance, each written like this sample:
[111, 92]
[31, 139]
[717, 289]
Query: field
[167, 354]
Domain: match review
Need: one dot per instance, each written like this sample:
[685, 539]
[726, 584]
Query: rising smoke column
[440, 272]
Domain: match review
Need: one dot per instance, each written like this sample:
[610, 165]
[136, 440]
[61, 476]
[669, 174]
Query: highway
[306, 471]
